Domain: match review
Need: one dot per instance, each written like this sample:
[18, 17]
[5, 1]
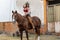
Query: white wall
[6, 6]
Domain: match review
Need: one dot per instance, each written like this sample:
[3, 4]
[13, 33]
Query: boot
[30, 20]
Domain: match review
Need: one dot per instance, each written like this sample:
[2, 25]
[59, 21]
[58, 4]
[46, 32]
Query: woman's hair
[26, 4]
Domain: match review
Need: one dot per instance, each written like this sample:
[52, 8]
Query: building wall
[8, 27]
[1, 26]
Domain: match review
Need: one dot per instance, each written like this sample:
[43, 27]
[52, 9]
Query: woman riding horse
[23, 23]
[27, 13]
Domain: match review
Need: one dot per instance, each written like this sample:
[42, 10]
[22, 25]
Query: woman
[27, 12]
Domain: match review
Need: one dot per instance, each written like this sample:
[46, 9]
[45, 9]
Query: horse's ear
[12, 11]
[15, 11]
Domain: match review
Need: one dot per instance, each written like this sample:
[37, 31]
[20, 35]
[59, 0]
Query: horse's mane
[19, 15]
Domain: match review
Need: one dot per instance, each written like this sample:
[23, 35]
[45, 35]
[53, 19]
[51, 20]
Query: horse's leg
[21, 34]
[37, 35]
[27, 35]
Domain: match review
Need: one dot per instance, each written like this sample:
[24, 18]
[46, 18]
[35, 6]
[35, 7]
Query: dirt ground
[31, 37]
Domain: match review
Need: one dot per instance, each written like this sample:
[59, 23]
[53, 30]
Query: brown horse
[23, 24]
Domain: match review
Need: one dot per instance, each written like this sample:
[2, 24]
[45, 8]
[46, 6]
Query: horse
[23, 24]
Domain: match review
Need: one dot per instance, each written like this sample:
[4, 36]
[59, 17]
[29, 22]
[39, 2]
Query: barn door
[50, 18]
[57, 18]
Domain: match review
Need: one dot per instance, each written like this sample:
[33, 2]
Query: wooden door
[50, 18]
[57, 18]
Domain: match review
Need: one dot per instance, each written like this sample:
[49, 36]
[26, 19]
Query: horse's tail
[39, 23]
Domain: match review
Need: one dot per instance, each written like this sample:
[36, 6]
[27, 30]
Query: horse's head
[14, 16]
